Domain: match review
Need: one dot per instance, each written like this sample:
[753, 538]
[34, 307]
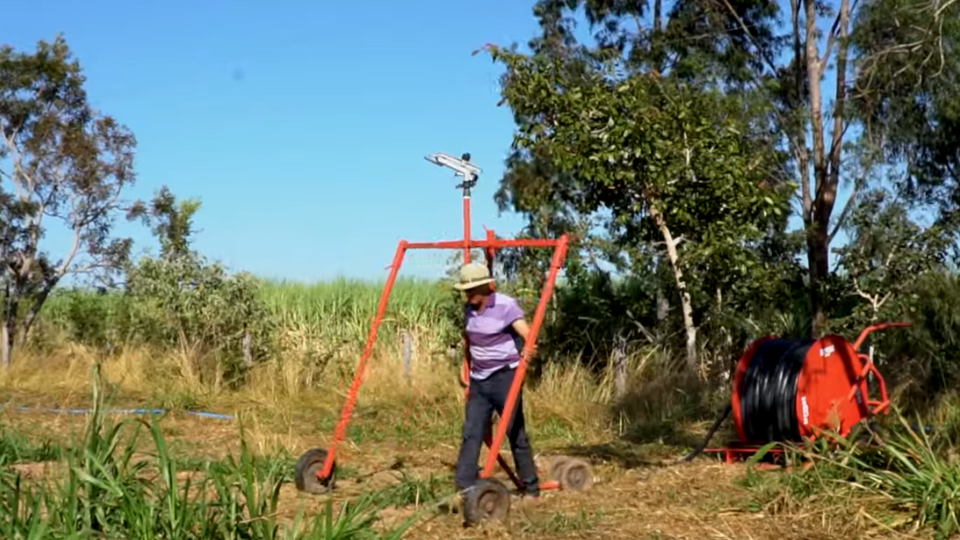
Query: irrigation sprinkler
[799, 390]
[315, 470]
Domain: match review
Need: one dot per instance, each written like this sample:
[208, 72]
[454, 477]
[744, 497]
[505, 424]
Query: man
[493, 322]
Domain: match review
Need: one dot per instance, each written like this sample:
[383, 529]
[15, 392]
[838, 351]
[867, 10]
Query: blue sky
[300, 125]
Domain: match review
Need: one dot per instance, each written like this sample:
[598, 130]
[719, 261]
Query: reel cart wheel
[573, 474]
[556, 467]
[305, 473]
[488, 499]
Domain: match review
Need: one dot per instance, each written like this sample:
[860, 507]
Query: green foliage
[672, 170]
[642, 143]
[172, 222]
[192, 303]
[109, 491]
[68, 166]
[887, 250]
[927, 351]
[414, 491]
[332, 316]
[14, 448]
[99, 319]
[594, 311]
[906, 469]
[906, 92]
[197, 305]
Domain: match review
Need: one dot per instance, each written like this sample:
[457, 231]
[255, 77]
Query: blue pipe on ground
[201, 414]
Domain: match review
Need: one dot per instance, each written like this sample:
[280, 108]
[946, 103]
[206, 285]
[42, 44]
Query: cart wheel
[488, 499]
[575, 475]
[305, 473]
[556, 468]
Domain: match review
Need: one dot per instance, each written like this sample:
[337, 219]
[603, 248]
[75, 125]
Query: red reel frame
[833, 394]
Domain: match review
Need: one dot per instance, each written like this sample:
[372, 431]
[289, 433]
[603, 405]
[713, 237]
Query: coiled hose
[768, 394]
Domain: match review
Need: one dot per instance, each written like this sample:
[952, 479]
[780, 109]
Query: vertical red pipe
[340, 431]
[465, 371]
[559, 253]
[466, 229]
[491, 251]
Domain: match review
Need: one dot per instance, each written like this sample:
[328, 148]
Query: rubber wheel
[556, 468]
[575, 475]
[489, 499]
[305, 472]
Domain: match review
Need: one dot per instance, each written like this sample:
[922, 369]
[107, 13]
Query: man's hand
[523, 330]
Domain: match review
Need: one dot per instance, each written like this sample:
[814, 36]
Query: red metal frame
[858, 389]
[490, 244]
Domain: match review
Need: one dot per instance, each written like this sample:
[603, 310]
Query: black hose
[768, 391]
[768, 395]
[706, 440]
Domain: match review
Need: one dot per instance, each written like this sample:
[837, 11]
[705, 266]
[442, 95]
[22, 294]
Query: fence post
[619, 367]
[407, 347]
[247, 349]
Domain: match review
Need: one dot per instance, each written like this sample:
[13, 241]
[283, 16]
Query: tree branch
[831, 37]
[16, 160]
[746, 30]
[847, 207]
[74, 248]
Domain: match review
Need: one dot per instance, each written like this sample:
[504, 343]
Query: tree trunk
[34, 311]
[8, 325]
[826, 166]
[819, 269]
[6, 346]
[686, 305]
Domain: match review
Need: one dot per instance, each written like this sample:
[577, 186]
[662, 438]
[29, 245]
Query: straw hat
[473, 275]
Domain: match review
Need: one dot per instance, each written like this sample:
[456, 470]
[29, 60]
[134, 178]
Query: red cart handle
[870, 329]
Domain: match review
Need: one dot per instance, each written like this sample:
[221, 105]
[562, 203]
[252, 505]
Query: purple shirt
[491, 338]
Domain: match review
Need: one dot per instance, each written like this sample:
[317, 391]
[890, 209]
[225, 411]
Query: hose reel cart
[795, 390]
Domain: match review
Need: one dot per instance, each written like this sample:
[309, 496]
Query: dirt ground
[637, 493]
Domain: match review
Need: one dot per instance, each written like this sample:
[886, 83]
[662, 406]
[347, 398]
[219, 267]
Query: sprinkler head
[460, 166]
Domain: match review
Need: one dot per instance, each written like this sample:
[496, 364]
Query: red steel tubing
[340, 431]
[465, 370]
[460, 244]
[555, 264]
[491, 250]
[870, 329]
[466, 229]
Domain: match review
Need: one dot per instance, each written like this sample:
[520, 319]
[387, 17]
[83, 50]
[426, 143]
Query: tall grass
[111, 488]
[319, 332]
[906, 476]
[335, 314]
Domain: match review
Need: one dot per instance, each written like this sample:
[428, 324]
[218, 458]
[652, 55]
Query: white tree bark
[686, 305]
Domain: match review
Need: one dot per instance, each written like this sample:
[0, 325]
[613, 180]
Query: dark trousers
[485, 397]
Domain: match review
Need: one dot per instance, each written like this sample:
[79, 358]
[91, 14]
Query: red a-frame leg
[340, 430]
[559, 254]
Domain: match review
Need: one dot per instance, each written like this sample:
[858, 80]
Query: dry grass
[412, 429]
